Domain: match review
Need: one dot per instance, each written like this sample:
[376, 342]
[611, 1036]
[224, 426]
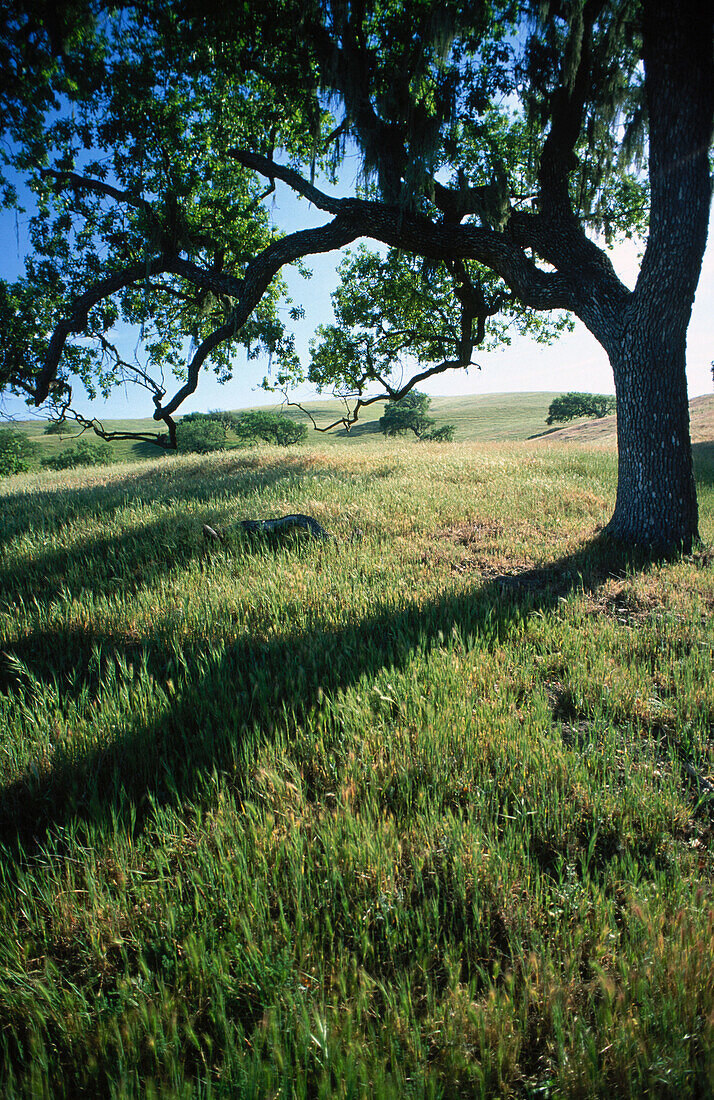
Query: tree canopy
[505, 144]
[400, 319]
[570, 406]
[411, 414]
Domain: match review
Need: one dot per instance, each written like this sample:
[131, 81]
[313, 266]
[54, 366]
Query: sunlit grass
[502, 416]
[412, 812]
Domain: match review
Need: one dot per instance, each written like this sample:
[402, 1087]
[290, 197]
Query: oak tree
[510, 138]
[571, 406]
[400, 320]
[408, 414]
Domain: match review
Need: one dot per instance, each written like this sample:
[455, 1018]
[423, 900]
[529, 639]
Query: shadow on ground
[244, 476]
[253, 688]
[358, 430]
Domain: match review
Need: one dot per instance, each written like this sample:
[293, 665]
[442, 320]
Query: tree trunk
[656, 505]
[656, 498]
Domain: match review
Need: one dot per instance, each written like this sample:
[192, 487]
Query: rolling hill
[497, 417]
[604, 432]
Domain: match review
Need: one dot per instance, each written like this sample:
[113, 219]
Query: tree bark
[656, 497]
[656, 506]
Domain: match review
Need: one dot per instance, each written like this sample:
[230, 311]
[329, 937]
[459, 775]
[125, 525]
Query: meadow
[483, 417]
[421, 811]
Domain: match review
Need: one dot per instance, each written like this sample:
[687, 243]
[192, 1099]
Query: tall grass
[422, 811]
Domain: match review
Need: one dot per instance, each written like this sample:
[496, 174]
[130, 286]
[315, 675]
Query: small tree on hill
[85, 452]
[57, 427]
[570, 406]
[269, 427]
[444, 434]
[200, 433]
[411, 414]
[17, 452]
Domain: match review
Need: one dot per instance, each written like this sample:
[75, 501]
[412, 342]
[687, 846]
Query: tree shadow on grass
[242, 477]
[547, 431]
[358, 430]
[100, 563]
[257, 688]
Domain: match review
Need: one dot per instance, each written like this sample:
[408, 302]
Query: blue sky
[574, 362]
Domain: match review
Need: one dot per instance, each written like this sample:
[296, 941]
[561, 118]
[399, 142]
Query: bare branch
[392, 394]
[293, 179]
[77, 319]
[98, 428]
[139, 376]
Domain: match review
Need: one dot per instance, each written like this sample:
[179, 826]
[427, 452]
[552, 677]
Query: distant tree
[269, 427]
[229, 420]
[398, 312]
[444, 434]
[17, 452]
[411, 414]
[57, 427]
[570, 406]
[199, 433]
[85, 452]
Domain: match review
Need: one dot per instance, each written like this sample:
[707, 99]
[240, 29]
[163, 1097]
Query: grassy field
[486, 418]
[422, 811]
[477, 418]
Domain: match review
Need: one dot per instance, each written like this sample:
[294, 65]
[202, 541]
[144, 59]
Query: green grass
[490, 417]
[410, 813]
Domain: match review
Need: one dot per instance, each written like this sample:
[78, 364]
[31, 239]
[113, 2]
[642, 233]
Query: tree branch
[439, 241]
[558, 158]
[258, 276]
[392, 394]
[145, 437]
[77, 319]
[139, 376]
[267, 167]
[86, 183]
[354, 218]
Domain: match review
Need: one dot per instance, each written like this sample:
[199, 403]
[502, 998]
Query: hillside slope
[489, 417]
[604, 432]
[478, 418]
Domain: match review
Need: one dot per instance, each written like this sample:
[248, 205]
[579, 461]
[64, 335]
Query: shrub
[573, 405]
[270, 427]
[410, 414]
[83, 453]
[57, 427]
[229, 420]
[215, 416]
[199, 433]
[445, 434]
[17, 452]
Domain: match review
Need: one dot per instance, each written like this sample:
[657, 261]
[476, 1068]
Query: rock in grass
[281, 525]
[211, 534]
